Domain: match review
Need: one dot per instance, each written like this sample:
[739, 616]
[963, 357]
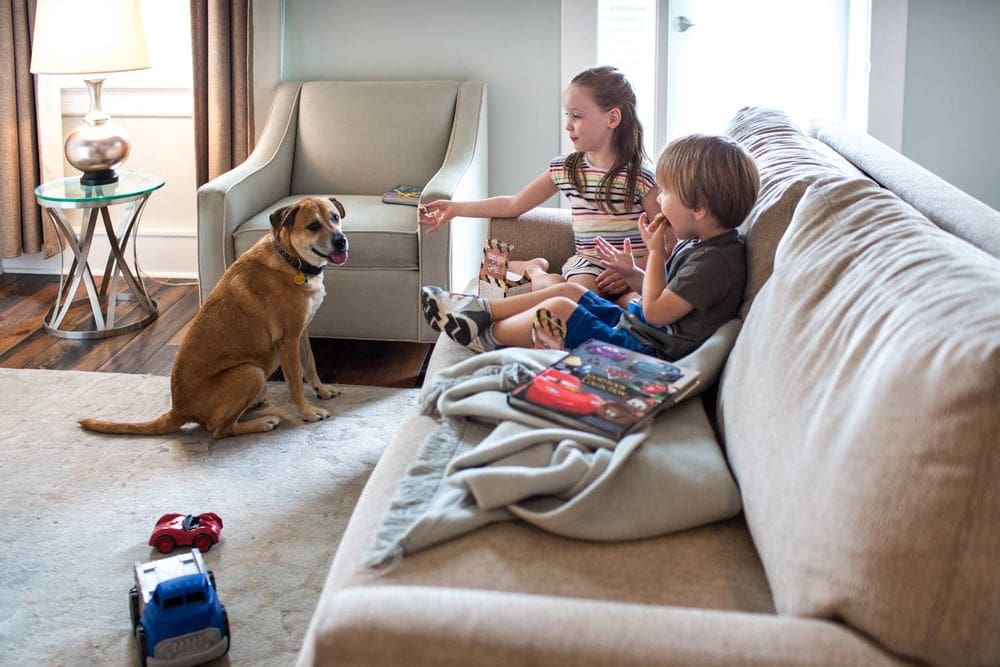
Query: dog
[254, 320]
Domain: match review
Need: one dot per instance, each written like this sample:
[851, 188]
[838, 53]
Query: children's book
[403, 194]
[604, 389]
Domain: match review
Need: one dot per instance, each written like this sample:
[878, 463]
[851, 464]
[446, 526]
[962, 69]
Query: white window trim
[132, 102]
[884, 63]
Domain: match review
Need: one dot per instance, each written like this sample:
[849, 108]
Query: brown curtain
[222, 42]
[21, 228]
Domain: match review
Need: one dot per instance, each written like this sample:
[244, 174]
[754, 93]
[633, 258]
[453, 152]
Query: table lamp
[91, 39]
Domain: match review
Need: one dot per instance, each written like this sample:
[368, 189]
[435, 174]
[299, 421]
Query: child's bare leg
[586, 281]
[516, 330]
[625, 298]
[466, 319]
[522, 266]
[540, 279]
[501, 309]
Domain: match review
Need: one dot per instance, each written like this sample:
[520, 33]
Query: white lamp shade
[85, 37]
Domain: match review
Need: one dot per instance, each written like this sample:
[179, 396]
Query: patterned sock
[548, 332]
[463, 318]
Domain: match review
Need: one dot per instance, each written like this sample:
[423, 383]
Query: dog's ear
[339, 207]
[283, 216]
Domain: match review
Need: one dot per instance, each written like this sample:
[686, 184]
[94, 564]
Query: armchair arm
[449, 257]
[541, 232]
[231, 198]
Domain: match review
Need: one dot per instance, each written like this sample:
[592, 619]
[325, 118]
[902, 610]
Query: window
[163, 90]
[693, 63]
[626, 38]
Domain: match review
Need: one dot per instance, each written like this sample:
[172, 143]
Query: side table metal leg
[80, 270]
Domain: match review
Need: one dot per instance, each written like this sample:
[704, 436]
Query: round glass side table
[55, 198]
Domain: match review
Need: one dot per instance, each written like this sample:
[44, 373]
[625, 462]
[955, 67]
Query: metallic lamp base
[99, 177]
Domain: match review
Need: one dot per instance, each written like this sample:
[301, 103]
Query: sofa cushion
[713, 567]
[381, 236]
[859, 409]
[389, 133]
[788, 161]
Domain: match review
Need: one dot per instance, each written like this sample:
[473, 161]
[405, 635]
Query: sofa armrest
[418, 625]
[231, 198]
[541, 232]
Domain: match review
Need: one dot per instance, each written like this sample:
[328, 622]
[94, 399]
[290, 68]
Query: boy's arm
[437, 213]
[660, 305]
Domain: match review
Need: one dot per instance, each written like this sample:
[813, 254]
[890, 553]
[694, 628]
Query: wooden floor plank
[24, 300]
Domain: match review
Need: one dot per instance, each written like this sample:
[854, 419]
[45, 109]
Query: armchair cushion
[380, 235]
[364, 137]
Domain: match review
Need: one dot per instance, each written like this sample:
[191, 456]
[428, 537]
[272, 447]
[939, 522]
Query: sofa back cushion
[860, 413]
[363, 137]
[788, 161]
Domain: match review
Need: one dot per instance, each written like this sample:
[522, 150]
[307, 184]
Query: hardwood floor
[25, 300]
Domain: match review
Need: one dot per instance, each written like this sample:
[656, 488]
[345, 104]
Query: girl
[607, 180]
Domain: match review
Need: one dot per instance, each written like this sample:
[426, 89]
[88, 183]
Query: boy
[693, 284]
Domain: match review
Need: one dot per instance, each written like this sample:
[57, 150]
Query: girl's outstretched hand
[620, 261]
[434, 214]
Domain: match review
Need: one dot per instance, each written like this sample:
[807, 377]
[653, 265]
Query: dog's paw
[269, 422]
[314, 414]
[325, 391]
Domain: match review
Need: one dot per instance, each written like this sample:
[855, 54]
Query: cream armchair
[354, 140]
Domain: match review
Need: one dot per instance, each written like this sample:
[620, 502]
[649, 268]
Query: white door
[722, 55]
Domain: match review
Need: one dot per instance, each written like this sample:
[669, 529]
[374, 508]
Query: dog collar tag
[299, 279]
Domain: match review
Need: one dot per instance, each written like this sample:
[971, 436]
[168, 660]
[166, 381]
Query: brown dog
[254, 319]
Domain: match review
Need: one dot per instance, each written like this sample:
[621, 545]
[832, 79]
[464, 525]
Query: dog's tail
[168, 422]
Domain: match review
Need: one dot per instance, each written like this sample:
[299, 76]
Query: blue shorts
[598, 318]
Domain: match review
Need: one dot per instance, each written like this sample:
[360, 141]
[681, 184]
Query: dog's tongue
[339, 258]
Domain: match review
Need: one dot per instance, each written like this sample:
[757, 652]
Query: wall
[512, 45]
[952, 93]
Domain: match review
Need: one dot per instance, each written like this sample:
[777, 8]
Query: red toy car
[198, 530]
[562, 392]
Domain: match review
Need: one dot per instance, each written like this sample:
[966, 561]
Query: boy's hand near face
[656, 234]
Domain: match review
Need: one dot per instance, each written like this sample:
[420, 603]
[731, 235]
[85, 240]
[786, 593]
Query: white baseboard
[162, 254]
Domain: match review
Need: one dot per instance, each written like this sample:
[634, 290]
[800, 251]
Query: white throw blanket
[489, 462]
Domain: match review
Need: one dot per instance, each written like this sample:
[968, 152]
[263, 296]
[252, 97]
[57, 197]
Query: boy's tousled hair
[611, 90]
[713, 172]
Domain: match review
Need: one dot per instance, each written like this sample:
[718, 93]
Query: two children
[607, 180]
[692, 284]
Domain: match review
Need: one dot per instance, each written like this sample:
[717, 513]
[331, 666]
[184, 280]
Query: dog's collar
[295, 262]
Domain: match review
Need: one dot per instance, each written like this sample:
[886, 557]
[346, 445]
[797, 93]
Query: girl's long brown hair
[611, 90]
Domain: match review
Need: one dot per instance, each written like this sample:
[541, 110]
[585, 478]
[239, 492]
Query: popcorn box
[495, 281]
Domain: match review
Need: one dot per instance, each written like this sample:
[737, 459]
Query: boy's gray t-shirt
[711, 276]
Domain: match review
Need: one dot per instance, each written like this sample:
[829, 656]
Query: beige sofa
[860, 420]
[355, 140]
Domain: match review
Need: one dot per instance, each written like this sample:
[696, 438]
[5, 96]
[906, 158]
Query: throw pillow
[788, 162]
[859, 410]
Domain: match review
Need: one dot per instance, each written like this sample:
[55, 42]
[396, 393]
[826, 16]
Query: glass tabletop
[130, 184]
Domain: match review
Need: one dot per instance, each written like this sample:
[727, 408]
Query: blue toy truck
[177, 617]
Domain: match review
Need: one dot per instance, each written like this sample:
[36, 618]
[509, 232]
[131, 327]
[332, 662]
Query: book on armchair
[403, 194]
[604, 389]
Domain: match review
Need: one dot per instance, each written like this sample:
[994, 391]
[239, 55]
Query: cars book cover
[604, 389]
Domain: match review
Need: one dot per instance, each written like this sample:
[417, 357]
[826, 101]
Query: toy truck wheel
[202, 542]
[165, 544]
[133, 607]
[140, 642]
[225, 627]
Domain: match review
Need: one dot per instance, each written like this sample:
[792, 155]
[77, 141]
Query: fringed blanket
[488, 462]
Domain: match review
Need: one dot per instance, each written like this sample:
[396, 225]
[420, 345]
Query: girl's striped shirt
[589, 221]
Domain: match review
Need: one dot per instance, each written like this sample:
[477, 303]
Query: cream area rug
[77, 509]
